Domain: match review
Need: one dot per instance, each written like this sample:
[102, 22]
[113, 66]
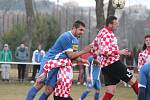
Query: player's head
[147, 42]
[112, 22]
[78, 28]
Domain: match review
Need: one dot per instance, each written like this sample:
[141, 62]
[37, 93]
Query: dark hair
[110, 19]
[144, 47]
[78, 23]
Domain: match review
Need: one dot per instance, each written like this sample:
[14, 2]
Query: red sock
[135, 87]
[107, 96]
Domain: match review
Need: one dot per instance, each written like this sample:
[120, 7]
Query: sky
[88, 3]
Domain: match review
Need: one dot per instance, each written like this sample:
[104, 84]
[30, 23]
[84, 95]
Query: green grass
[17, 91]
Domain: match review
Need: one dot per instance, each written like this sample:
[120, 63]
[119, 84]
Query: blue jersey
[66, 42]
[94, 70]
[144, 80]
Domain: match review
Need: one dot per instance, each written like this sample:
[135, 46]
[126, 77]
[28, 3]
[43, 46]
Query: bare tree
[111, 9]
[100, 12]
[29, 16]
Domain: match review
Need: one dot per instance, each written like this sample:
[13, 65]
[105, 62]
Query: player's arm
[74, 55]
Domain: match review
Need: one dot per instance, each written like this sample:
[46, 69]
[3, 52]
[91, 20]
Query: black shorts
[115, 72]
[62, 98]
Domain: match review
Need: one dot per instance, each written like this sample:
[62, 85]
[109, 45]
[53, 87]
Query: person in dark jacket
[22, 55]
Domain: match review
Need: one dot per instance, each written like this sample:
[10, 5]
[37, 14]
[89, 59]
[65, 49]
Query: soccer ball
[118, 4]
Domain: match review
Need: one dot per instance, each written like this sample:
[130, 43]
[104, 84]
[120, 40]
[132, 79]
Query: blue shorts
[51, 79]
[95, 84]
[41, 66]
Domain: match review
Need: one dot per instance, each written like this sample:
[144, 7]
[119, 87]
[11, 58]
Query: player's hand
[87, 48]
[84, 61]
[124, 52]
[41, 78]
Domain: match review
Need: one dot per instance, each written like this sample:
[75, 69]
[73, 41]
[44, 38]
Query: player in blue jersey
[65, 47]
[93, 79]
[144, 83]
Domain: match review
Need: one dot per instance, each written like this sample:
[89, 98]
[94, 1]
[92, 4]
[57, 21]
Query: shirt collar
[72, 34]
[109, 29]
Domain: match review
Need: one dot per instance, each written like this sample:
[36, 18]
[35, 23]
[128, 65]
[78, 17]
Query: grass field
[17, 91]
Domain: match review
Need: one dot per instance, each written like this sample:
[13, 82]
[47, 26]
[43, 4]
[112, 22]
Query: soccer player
[105, 45]
[144, 68]
[64, 49]
[93, 79]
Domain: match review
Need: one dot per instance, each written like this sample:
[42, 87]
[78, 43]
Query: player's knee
[48, 90]
[97, 91]
[132, 80]
[111, 89]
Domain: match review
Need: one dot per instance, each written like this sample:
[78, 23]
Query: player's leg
[80, 76]
[109, 92]
[37, 86]
[87, 91]
[111, 78]
[128, 77]
[96, 95]
[134, 84]
[97, 86]
[34, 72]
[49, 84]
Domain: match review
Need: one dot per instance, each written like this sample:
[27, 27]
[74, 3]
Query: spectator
[37, 57]
[5, 56]
[22, 55]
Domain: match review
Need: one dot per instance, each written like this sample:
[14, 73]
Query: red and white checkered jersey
[143, 58]
[56, 63]
[64, 81]
[105, 46]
